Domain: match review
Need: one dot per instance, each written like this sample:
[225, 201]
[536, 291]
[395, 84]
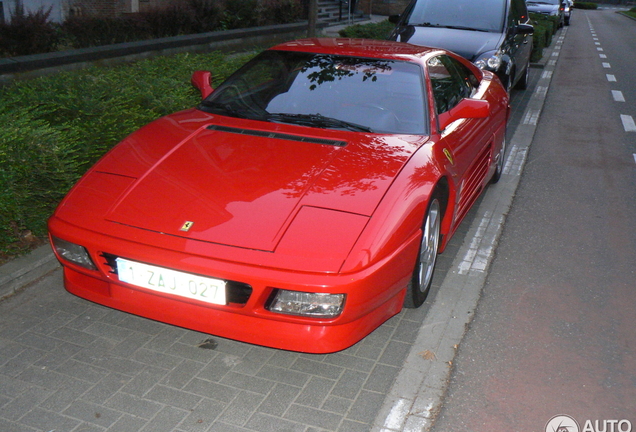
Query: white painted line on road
[606, 65]
[611, 78]
[546, 75]
[628, 123]
[634, 157]
[599, 49]
[515, 161]
[602, 56]
[554, 54]
[618, 96]
[552, 63]
[478, 255]
[597, 43]
[398, 414]
[541, 91]
[532, 116]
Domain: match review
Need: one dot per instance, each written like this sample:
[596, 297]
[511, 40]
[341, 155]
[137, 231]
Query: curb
[417, 394]
[20, 272]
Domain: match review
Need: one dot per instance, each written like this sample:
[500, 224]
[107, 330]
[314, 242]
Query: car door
[466, 143]
[522, 40]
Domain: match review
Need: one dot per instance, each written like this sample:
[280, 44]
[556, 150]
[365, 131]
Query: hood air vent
[278, 135]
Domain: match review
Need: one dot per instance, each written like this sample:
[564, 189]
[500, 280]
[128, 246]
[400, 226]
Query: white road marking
[606, 65]
[398, 414]
[599, 49]
[541, 91]
[546, 74]
[628, 123]
[618, 96]
[611, 78]
[602, 56]
[532, 116]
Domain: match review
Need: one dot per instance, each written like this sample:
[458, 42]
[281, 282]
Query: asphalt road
[554, 330]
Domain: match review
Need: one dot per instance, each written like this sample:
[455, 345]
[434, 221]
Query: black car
[494, 34]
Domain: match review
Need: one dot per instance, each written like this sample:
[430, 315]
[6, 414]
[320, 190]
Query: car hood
[242, 184]
[468, 44]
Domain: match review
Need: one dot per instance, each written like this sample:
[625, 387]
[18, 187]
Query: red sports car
[300, 205]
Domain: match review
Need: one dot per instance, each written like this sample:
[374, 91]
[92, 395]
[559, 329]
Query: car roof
[358, 48]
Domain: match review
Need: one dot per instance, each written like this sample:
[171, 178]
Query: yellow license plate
[175, 282]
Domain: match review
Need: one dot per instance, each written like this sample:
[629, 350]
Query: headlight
[316, 305]
[489, 61]
[73, 252]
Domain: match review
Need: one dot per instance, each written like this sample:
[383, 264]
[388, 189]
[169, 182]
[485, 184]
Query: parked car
[568, 5]
[300, 205]
[549, 7]
[494, 34]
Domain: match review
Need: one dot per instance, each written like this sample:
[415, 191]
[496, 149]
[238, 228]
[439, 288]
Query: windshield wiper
[464, 28]
[428, 24]
[317, 120]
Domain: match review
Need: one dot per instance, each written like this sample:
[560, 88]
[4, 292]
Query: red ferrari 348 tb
[300, 205]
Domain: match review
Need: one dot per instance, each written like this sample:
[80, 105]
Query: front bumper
[373, 295]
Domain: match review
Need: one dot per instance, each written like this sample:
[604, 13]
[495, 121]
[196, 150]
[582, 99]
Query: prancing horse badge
[186, 226]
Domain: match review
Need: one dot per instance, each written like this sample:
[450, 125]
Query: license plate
[164, 280]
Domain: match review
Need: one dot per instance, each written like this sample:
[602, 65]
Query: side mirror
[524, 29]
[202, 80]
[465, 109]
[394, 19]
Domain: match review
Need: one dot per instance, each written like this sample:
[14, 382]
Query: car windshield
[326, 91]
[485, 15]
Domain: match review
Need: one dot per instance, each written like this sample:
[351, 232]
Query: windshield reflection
[335, 92]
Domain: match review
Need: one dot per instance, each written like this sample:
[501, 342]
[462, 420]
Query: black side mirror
[394, 19]
[524, 29]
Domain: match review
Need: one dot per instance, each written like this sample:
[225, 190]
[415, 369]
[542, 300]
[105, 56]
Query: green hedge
[544, 28]
[379, 30]
[33, 33]
[56, 127]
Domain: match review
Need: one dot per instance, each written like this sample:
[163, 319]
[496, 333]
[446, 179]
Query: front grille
[237, 293]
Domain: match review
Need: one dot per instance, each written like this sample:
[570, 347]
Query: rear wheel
[420, 283]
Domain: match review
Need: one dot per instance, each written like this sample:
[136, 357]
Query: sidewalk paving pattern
[70, 365]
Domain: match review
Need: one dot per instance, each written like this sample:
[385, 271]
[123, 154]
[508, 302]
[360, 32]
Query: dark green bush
[28, 32]
[56, 127]
[585, 5]
[379, 30]
[33, 33]
[544, 29]
[280, 11]
[84, 32]
[240, 14]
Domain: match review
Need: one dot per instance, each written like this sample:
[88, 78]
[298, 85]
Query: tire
[420, 283]
[522, 84]
[501, 159]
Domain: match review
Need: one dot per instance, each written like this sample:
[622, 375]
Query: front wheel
[522, 84]
[420, 283]
[501, 157]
